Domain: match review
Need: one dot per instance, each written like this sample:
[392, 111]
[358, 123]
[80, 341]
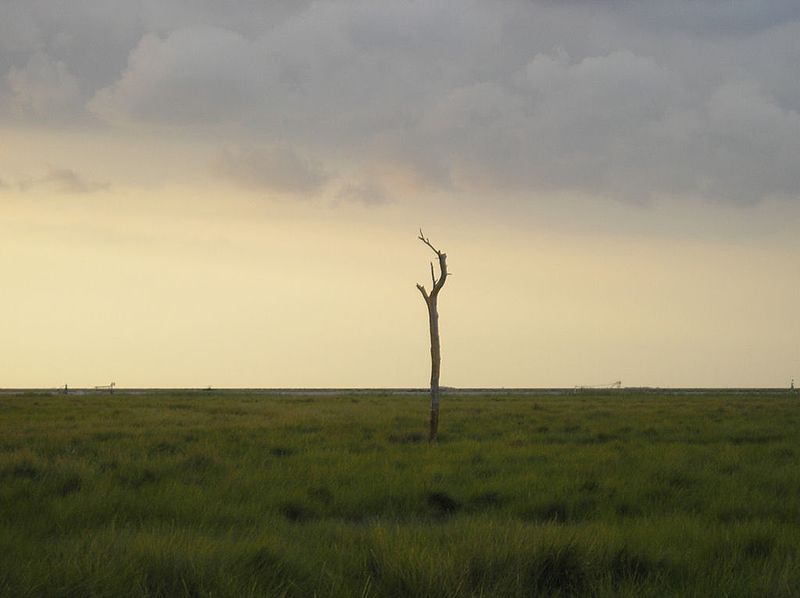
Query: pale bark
[431, 300]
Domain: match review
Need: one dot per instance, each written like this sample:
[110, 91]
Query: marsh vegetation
[251, 494]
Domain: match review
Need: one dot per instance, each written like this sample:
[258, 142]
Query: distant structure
[108, 387]
[617, 384]
[791, 386]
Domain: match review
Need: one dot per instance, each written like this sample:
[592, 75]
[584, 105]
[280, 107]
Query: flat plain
[251, 493]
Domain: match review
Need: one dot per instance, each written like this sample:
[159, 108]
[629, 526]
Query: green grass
[246, 494]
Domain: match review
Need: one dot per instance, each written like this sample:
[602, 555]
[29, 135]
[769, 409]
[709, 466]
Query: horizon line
[363, 389]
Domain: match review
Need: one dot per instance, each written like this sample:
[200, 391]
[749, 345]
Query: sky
[228, 193]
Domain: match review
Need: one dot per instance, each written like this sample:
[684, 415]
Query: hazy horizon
[229, 193]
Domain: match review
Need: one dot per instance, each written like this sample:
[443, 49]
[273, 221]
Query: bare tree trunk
[433, 319]
[436, 364]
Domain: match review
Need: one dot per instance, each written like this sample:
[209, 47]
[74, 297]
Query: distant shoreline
[399, 391]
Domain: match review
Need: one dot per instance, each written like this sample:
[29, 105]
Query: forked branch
[437, 284]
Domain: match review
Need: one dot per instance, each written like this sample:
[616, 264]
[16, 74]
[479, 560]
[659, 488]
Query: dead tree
[433, 318]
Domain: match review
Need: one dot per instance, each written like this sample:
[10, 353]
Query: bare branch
[437, 284]
[425, 240]
[423, 291]
[442, 274]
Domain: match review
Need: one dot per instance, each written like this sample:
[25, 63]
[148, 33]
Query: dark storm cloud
[628, 100]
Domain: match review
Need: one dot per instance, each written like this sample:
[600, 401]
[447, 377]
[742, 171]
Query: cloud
[619, 125]
[274, 169]
[43, 87]
[367, 192]
[614, 99]
[63, 180]
[202, 75]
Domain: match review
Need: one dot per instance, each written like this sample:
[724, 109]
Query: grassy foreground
[246, 494]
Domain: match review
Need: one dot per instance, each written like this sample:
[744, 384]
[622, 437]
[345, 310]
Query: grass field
[251, 494]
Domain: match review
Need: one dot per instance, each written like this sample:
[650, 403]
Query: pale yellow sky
[191, 286]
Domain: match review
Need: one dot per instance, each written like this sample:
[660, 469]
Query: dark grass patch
[295, 511]
[485, 571]
[660, 494]
[602, 437]
[390, 583]
[364, 447]
[70, 485]
[626, 509]
[734, 515]
[561, 570]
[442, 503]
[321, 494]
[556, 511]
[108, 436]
[262, 559]
[181, 407]
[23, 470]
[779, 488]
[107, 466]
[163, 448]
[136, 479]
[627, 566]
[759, 547]
[400, 422]
[306, 429]
[409, 438]
[755, 438]
[487, 500]
[584, 508]
[484, 473]
[783, 454]
[282, 451]
[589, 485]
[198, 463]
[681, 481]
[273, 573]
[169, 577]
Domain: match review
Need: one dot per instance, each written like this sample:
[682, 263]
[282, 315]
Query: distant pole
[66, 390]
[433, 321]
